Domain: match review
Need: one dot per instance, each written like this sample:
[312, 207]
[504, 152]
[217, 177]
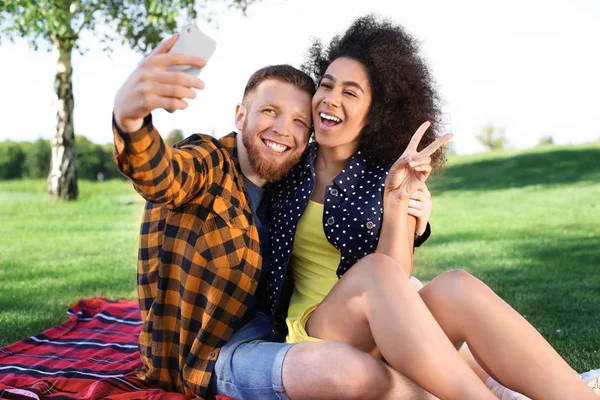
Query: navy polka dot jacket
[353, 212]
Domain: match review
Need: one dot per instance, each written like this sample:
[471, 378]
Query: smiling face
[341, 104]
[275, 122]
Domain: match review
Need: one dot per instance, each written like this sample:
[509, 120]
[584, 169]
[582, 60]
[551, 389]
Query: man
[201, 278]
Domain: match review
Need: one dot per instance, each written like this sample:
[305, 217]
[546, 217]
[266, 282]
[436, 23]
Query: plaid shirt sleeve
[161, 174]
[199, 257]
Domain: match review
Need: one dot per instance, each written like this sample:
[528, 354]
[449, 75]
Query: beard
[269, 170]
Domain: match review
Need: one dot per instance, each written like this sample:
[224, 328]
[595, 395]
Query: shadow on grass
[546, 168]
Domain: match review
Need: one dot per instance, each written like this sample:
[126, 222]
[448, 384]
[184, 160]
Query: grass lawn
[526, 223]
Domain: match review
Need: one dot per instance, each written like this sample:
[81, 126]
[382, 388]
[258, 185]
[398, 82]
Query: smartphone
[192, 42]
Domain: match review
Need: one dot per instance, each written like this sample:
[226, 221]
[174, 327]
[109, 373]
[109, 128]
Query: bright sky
[532, 67]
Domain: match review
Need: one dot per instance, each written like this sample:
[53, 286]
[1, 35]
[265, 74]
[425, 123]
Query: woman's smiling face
[341, 104]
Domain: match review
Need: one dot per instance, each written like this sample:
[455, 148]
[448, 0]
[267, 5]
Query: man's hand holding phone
[154, 85]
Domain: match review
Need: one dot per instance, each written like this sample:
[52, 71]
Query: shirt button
[330, 221]
[233, 319]
[254, 281]
[212, 353]
[370, 225]
[334, 192]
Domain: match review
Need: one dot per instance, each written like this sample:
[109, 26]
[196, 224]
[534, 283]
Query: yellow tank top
[314, 262]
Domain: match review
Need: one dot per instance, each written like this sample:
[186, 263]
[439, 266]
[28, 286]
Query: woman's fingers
[397, 172]
[423, 168]
[415, 212]
[419, 195]
[426, 191]
[423, 172]
[416, 204]
[418, 135]
[433, 147]
[417, 161]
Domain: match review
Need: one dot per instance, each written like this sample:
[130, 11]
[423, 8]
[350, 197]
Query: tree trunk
[62, 180]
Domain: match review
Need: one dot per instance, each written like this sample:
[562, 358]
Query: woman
[351, 262]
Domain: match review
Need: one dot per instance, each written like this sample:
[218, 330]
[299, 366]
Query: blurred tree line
[32, 160]
[93, 161]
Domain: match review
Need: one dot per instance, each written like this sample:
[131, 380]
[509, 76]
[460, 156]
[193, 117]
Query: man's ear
[240, 116]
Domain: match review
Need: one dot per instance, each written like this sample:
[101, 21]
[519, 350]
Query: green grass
[52, 253]
[526, 222]
[528, 225]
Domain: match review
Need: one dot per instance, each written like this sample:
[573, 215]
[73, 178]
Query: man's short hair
[284, 73]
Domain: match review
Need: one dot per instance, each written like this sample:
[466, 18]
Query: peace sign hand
[412, 169]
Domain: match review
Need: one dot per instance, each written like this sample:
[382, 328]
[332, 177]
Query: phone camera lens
[188, 30]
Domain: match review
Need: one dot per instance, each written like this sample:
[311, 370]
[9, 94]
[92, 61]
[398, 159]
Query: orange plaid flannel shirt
[199, 257]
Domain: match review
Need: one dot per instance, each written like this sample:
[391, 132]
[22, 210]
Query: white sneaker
[592, 378]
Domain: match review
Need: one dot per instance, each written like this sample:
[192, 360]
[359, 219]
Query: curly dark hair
[403, 90]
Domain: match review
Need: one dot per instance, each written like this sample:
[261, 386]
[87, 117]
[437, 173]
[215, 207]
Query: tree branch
[87, 19]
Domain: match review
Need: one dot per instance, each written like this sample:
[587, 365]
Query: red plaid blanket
[92, 355]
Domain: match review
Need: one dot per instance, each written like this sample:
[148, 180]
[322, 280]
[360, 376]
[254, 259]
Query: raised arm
[159, 173]
[405, 178]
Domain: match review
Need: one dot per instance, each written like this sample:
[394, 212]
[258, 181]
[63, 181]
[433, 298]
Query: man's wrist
[128, 126]
[126, 131]
[133, 142]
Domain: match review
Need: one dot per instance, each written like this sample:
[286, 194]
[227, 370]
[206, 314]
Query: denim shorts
[250, 365]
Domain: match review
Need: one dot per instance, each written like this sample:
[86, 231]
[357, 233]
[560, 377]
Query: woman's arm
[397, 233]
[405, 178]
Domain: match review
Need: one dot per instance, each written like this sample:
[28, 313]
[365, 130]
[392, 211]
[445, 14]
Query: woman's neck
[330, 161]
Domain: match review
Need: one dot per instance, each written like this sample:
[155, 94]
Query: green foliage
[37, 159]
[94, 160]
[12, 158]
[546, 140]
[139, 23]
[90, 158]
[32, 160]
[492, 138]
[176, 135]
[110, 168]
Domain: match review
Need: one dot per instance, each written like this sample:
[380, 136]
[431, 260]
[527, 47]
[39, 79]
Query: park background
[518, 206]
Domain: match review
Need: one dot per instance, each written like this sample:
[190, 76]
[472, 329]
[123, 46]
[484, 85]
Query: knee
[358, 375]
[332, 369]
[455, 277]
[379, 269]
[456, 284]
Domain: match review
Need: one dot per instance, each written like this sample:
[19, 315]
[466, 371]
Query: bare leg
[466, 355]
[503, 342]
[335, 370]
[374, 308]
